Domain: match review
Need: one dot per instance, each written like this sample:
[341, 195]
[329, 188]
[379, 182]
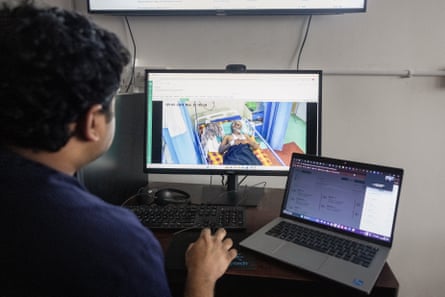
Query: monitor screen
[227, 7]
[219, 122]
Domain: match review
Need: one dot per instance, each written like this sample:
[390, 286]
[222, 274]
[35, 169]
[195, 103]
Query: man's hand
[207, 259]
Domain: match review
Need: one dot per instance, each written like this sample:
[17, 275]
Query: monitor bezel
[228, 12]
[315, 126]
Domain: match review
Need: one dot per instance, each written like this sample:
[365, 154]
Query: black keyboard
[190, 216]
[345, 249]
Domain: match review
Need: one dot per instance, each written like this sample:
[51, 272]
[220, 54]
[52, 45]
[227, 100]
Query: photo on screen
[232, 132]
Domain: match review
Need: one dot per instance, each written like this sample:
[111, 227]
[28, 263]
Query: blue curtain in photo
[276, 119]
[182, 146]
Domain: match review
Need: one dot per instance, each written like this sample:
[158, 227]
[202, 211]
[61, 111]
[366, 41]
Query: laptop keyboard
[360, 254]
[190, 216]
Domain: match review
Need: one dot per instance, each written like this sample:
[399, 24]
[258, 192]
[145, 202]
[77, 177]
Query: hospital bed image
[196, 139]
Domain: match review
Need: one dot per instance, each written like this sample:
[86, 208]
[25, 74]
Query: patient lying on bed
[237, 147]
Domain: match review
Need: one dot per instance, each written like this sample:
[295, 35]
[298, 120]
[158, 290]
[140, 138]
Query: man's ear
[89, 126]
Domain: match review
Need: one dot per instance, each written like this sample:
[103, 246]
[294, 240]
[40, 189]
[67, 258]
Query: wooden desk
[273, 278]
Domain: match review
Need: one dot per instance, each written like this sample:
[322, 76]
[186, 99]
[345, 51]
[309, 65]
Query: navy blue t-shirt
[57, 239]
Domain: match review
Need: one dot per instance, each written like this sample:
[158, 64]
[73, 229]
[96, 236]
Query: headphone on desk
[171, 196]
[146, 196]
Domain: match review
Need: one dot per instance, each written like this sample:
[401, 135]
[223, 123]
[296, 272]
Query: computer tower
[118, 174]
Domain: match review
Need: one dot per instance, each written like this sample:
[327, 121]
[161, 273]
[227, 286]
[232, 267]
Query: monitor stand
[232, 194]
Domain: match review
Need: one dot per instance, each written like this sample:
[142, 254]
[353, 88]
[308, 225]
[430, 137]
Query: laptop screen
[348, 196]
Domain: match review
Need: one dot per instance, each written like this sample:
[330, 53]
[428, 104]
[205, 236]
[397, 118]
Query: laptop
[336, 220]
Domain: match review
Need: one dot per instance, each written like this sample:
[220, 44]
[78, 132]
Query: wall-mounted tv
[225, 7]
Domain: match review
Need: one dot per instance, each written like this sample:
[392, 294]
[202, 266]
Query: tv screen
[227, 7]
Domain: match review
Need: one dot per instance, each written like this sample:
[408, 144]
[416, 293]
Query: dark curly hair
[54, 65]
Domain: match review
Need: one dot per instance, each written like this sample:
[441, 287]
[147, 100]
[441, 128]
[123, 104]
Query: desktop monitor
[230, 122]
[117, 174]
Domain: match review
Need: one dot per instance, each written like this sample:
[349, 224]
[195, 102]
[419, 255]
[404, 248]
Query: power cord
[300, 50]
[131, 81]
[141, 193]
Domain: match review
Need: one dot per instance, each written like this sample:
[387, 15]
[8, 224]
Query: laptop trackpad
[300, 256]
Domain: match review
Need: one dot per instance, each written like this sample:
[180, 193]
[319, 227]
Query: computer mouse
[169, 195]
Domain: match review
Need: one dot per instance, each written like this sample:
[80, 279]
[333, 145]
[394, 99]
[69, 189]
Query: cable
[308, 25]
[134, 55]
[264, 183]
[142, 191]
[243, 179]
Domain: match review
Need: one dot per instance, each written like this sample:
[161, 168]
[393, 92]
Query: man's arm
[252, 142]
[207, 259]
[224, 144]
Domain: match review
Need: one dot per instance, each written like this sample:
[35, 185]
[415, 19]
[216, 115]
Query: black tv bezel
[315, 127]
[229, 12]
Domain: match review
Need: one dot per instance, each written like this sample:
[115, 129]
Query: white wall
[384, 119]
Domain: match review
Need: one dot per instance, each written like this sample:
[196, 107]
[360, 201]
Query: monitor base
[243, 196]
